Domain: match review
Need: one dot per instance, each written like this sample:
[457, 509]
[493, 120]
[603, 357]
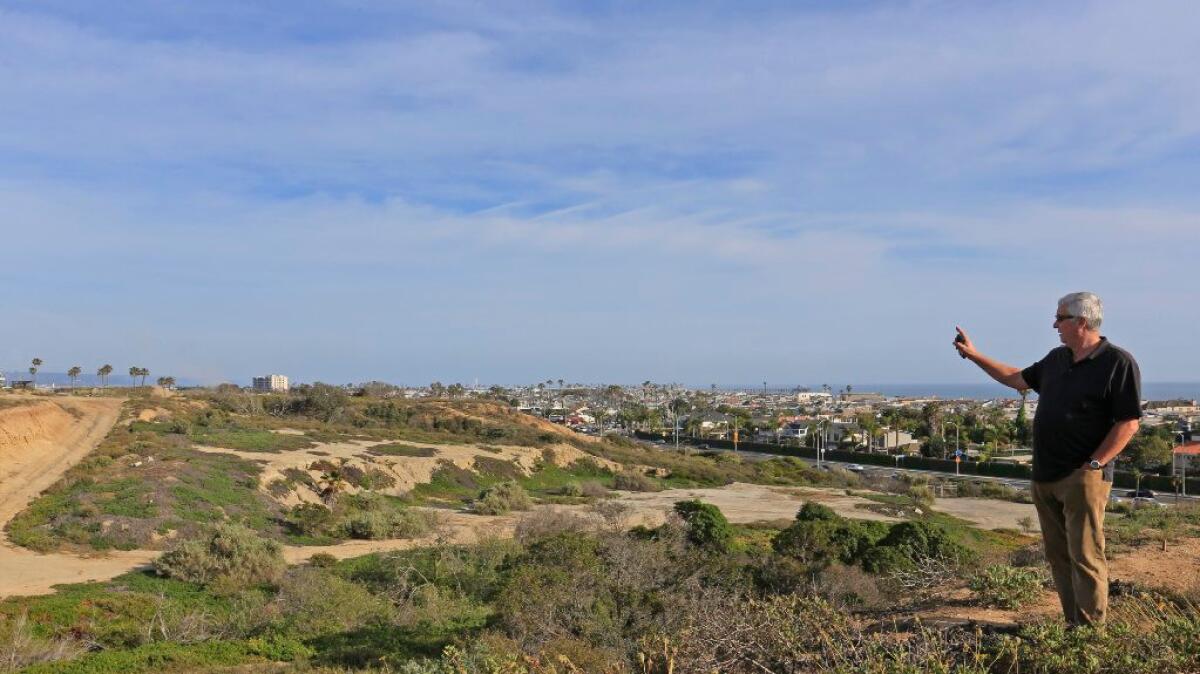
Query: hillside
[460, 537]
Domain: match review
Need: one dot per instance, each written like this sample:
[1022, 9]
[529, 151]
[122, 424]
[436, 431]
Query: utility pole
[1183, 459]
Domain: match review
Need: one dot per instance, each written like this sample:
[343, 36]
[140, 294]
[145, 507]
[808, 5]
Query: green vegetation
[402, 449]
[706, 525]
[502, 498]
[1006, 586]
[695, 597]
[229, 556]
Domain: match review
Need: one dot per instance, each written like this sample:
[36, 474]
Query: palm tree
[134, 371]
[143, 372]
[103, 373]
[37, 363]
[166, 382]
[74, 373]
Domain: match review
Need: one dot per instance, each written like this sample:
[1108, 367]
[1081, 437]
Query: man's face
[1070, 328]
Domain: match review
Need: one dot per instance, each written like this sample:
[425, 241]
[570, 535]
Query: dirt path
[38, 443]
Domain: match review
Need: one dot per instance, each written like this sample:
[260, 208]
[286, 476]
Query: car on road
[1139, 493]
[856, 467]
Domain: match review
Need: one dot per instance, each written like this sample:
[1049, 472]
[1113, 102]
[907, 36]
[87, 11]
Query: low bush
[633, 481]
[1006, 587]
[229, 555]
[545, 522]
[502, 498]
[380, 525]
[706, 525]
[309, 518]
[313, 601]
[593, 489]
[572, 489]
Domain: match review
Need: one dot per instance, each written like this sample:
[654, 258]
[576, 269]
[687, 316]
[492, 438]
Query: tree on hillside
[33, 370]
[166, 382]
[456, 390]
[103, 373]
[1021, 430]
[74, 373]
[437, 389]
[1148, 450]
[134, 371]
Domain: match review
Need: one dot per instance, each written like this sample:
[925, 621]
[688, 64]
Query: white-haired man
[1089, 404]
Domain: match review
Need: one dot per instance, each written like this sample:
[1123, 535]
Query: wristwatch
[1095, 465]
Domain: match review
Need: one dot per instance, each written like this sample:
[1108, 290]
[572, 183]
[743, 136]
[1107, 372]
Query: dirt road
[38, 443]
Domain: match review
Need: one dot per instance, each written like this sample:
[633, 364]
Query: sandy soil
[38, 443]
[407, 471]
[988, 513]
[742, 503]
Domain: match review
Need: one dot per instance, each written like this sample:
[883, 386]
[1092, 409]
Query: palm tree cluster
[103, 372]
[142, 372]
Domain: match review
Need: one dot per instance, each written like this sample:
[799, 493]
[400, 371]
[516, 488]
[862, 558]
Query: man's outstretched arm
[1005, 374]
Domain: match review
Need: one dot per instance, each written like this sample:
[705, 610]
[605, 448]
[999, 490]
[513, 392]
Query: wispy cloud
[799, 193]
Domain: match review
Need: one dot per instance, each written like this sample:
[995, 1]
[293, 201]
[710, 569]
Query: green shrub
[817, 543]
[313, 601]
[633, 481]
[593, 489]
[323, 560]
[229, 554]
[571, 489]
[369, 526]
[810, 512]
[920, 493]
[908, 542]
[309, 518]
[502, 498]
[384, 524]
[706, 525]
[1006, 586]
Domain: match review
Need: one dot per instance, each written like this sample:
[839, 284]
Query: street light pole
[956, 439]
[1182, 465]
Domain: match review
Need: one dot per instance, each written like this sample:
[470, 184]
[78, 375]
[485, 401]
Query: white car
[856, 467]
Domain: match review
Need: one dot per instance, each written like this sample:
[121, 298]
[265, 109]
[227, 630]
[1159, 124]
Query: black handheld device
[959, 339]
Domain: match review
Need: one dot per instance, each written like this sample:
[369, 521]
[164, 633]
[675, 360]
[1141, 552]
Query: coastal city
[993, 431]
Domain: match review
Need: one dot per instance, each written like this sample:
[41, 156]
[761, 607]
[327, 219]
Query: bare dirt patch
[1151, 566]
[741, 502]
[407, 471]
[988, 513]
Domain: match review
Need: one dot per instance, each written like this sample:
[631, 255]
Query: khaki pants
[1071, 513]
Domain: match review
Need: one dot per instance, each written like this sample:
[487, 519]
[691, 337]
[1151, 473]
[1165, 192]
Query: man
[1089, 403]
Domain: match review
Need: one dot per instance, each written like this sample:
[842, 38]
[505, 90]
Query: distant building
[3, 380]
[271, 383]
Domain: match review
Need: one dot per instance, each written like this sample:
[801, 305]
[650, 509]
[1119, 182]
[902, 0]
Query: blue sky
[510, 192]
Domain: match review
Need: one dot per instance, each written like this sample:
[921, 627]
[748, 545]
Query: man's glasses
[1059, 318]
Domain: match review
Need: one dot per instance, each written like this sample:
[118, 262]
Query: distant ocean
[1150, 390]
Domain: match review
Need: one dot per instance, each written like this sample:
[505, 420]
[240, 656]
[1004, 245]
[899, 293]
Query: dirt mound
[406, 471]
[23, 426]
[39, 442]
[490, 411]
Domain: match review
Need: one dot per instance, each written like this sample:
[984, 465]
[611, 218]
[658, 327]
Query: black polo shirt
[1078, 403]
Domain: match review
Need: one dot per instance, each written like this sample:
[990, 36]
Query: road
[1118, 494]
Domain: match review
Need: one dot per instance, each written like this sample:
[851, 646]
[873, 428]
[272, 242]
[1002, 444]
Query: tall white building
[271, 383]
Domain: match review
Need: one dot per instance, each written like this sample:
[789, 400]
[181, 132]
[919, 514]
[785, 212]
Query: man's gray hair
[1086, 306]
